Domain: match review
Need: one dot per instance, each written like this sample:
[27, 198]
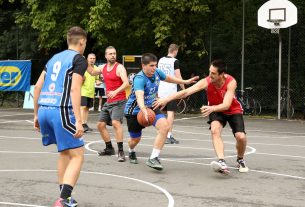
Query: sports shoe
[242, 166]
[121, 156]
[220, 166]
[69, 202]
[106, 151]
[91, 109]
[171, 140]
[154, 163]
[133, 158]
[87, 128]
[99, 108]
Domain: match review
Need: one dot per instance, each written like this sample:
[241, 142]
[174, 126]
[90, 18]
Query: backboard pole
[288, 74]
[280, 76]
[243, 51]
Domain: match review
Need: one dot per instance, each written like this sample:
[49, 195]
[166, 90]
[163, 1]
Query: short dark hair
[109, 48]
[147, 58]
[74, 34]
[220, 65]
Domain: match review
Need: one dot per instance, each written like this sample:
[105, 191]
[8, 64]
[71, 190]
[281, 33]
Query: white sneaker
[91, 109]
[242, 166]
[220, 167]
[99, 108]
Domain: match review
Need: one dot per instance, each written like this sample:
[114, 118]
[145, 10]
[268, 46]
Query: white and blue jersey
[55, 113]
[150, 87]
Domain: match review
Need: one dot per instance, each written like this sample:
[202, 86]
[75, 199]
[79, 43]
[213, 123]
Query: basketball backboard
[277, 14]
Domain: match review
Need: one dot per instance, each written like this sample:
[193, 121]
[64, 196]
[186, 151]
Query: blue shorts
[57, 126]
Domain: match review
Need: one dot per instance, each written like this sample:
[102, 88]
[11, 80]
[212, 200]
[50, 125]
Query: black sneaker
[171, 140]
[154, 163]
[106, 152]
[121, 156]
[133, 158]
[86, 128]
[242, 166]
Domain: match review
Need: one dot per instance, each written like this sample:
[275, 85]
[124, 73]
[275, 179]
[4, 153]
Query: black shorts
[134, 128]
[99, 92]
[236, 121]
[171, 106]
[86, 101]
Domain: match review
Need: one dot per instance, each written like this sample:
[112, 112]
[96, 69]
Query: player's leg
[86, 103]
[217, 122]
[135, 133]
[104, 118]
[117, 114]
[71, 152]
[162, 127]
[171, 107]
[236, 122]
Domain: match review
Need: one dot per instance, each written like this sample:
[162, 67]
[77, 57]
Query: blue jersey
[150, 87]
[58, 79]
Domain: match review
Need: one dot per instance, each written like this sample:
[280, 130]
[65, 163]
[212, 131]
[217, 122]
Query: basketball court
[275, 156]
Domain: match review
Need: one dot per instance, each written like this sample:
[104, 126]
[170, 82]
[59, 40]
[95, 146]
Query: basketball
[151, 118]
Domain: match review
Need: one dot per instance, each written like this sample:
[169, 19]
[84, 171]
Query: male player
[223, 107]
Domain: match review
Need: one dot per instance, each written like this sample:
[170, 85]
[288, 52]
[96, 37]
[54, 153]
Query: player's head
[110, 54]
[91, 58]
[149, 63]
[77, 38]
[217, 70]
[173, 49]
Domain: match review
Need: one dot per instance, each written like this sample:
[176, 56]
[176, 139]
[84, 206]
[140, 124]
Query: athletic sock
[66, 191]
[240, 158]
[131, 150]
[108, 145]
[221, 160]
[169, 134]
[155, 153]
[60, 186]
[120, 146]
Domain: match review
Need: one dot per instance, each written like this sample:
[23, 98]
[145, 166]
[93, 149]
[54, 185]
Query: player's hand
[79, 130]
[207, 110]
[98, 82]
[159, 103]
[36, 124]
[111, 94]
[144, 111]
[192, 80]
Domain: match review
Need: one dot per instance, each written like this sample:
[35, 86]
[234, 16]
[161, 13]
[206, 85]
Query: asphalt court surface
[275, 156]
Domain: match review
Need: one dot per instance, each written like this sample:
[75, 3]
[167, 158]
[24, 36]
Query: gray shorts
[112, 111]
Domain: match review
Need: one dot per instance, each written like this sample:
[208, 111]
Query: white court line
[16, 114]
[165, 192]
[5, 122]
[187, 118]
[19, 204]
[280, 155]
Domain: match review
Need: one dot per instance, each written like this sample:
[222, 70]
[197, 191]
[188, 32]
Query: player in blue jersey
[144, 93]
[57, 97]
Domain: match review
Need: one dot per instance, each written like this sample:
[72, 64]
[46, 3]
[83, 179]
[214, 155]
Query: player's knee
[240, 136]
[116, 124]
[215, 131]
[101, 125]
[164, 127]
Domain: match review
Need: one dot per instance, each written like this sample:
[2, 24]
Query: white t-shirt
[167, 65]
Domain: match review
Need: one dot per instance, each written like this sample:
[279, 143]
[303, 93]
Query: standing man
[112, 113]
[87, 92]
[143, 94]
[223, 107]
[57, 97]
[170, 66]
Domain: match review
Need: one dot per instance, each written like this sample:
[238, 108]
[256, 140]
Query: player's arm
[80, 66]
[200, 85]
[171, 79]
[227, 101]
[37, 90]
[138, 85]
[178, 75]
[121, 71]
[92, 71]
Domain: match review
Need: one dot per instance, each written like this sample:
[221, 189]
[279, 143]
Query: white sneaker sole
[243, 169]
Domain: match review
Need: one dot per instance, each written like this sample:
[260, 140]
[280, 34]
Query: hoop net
[276, 23]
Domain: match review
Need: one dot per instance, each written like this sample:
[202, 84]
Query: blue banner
[15, 75]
